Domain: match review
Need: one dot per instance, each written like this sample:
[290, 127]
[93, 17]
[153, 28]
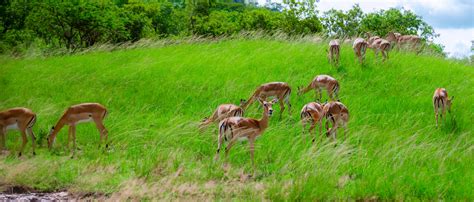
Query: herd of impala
[232, 125]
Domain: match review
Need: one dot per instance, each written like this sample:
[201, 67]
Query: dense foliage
[74, 25]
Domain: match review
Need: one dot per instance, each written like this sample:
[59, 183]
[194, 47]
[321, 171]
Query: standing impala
[319, 82]
[381, 45]
[85, 112]
[360, 46]
[338, 115]
[280, 90]
[234, 128]
[21, 119]
[313, 113]
[223, 111]
[333, 54]
[441, 102]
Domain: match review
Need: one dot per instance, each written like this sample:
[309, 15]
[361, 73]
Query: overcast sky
[452, 19]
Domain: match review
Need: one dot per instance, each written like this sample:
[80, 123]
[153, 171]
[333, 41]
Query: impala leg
[320, 94]
[73, 135]
[103, 132]
[228, 147]
[282, 108]
[287, 101]
[33, 139]
[311, 129]
[24, 140]
[252, 149]
[69, 137]
[444, 114]
[320, 130]
[220, 140]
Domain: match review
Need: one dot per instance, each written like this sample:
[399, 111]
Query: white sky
[452, 19]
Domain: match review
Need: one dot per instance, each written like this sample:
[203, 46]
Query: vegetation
[157, 95]
[75, 25]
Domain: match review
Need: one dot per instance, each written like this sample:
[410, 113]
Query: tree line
[74, 25]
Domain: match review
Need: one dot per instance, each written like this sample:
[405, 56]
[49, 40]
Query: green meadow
[156, 97]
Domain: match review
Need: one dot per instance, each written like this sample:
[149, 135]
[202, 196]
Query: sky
[452, 19]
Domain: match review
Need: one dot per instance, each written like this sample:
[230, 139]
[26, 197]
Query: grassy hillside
[157, 96]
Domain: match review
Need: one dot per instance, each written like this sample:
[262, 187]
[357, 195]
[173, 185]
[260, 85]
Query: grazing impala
[338, 115]
[85, 112]
[313, 113]
[441, 102]
[381, 45]
[360, 46]
[280, 90]
[333, 54]
[319, 82]
[21, 119]
[234, 128]
[401, 40]
[223, 111]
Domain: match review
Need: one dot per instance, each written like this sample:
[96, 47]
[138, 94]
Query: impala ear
[260, 100]
[275, 100]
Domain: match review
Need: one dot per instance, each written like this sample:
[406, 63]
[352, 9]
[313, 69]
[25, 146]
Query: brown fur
[233, 128]
[75, 114]
[24, 119]
[333, 54]
[312, 113]
[401, 40]
[360, 47]
[441, 102]
[223, 111]
[337, 114]
[280, 90]
[381, 45]
[319, 82]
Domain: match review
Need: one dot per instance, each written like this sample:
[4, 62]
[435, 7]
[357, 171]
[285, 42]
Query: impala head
[448, 104]
[267, 106]
[242, 102]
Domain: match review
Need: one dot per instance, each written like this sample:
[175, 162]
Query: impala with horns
[322, 82]
[337, 114]
[85, 112]
[360, 47]
[381, 45]
[401, 40]
[223, 111]
[21, 119]
[238, 128]
[279, 90]
[441, 102]
[333, 53]
[312, 113]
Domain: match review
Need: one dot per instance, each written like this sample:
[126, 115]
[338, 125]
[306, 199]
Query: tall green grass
[157, 96]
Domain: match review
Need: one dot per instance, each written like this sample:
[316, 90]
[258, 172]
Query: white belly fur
[13, 127]
[85, 120]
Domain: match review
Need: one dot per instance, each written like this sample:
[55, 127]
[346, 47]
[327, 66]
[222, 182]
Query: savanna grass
[157, 95]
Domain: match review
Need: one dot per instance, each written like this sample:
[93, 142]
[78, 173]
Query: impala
[338, 115]
[21, 119]
[441, 102]
[234, 128]
[319, 82]
[333, 54]
[360, 46]
[312, 113]
[401, 40]
[85, 112]
[381, 45]
[279, 90]
[223, 111]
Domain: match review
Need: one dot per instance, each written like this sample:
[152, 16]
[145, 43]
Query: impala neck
[59, 125]
[264, 121]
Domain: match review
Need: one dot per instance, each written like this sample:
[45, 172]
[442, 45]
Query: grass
[157, 96]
